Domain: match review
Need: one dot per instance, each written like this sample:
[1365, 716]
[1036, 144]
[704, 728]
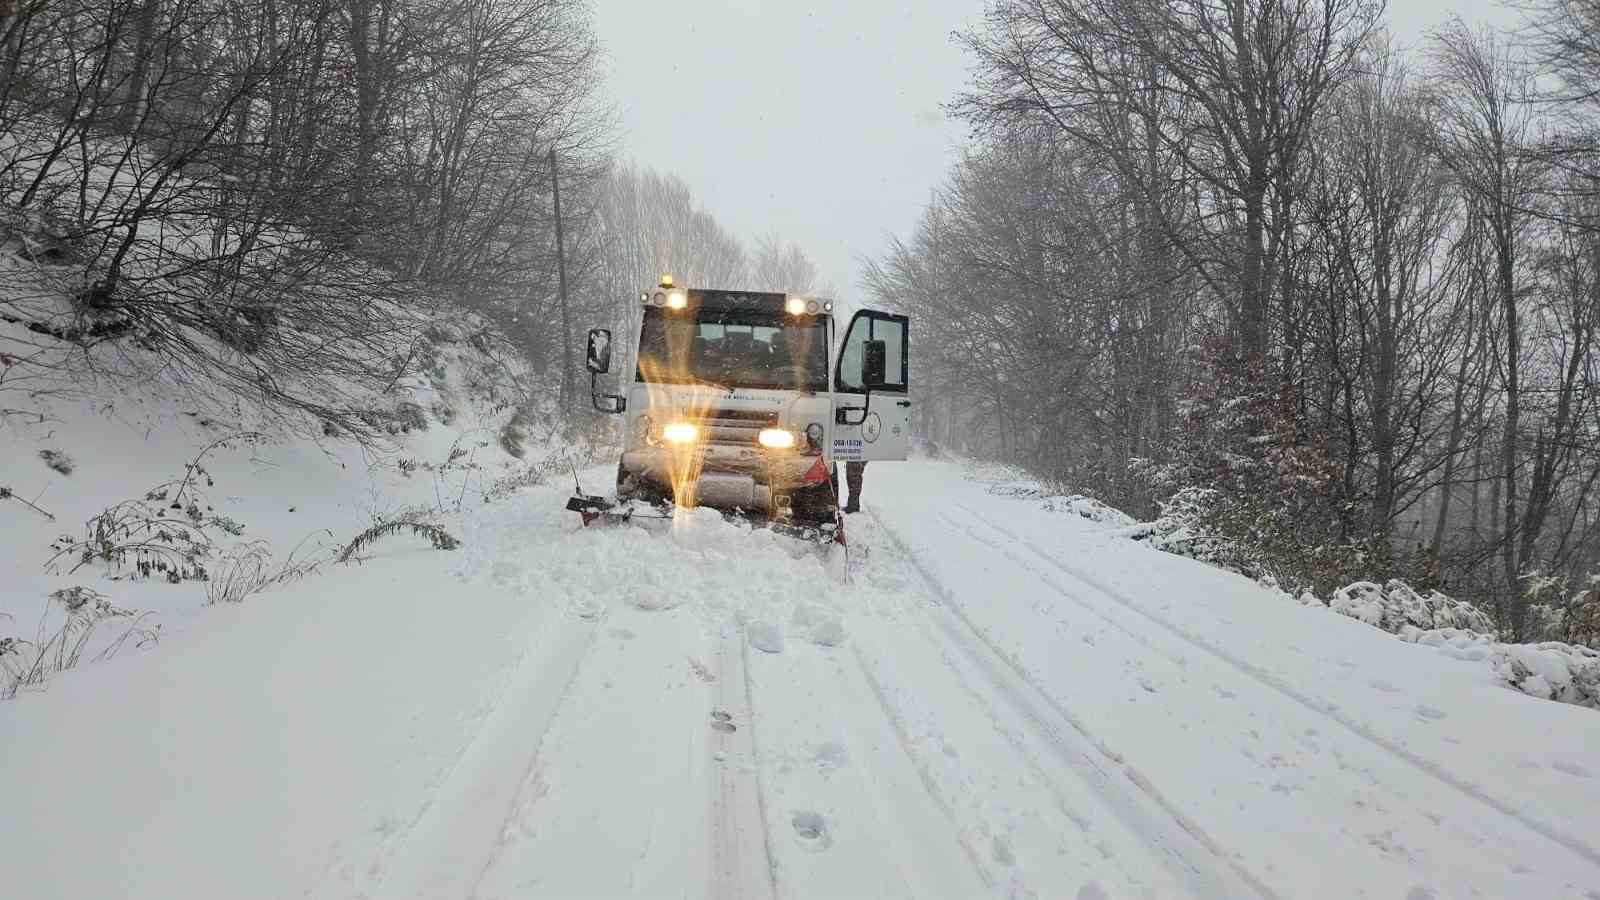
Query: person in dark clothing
[856, 472]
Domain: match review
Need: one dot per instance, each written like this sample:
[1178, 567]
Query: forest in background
[275, 200]
[1327, 304]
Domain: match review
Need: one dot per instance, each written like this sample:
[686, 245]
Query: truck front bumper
[726, 477]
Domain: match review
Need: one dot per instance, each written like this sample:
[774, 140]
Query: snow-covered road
[1006, 701]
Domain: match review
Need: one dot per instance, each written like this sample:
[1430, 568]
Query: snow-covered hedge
[1395, 606]
[1549, 670]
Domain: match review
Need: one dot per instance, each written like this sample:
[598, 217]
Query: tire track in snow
[456, 835]
[1271, 682]
[1192, 855]
[882, 828]
[897, 725]
[740, 866]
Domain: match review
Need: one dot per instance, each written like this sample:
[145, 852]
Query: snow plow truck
[745, 401]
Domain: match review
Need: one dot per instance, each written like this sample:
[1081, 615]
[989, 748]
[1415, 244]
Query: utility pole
[561, 283]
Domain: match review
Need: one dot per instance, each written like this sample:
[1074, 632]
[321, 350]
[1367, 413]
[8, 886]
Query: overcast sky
[819, 119]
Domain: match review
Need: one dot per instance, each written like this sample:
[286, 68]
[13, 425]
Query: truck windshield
[734, 348]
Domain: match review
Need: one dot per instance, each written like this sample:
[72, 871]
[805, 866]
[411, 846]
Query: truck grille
[735, 426]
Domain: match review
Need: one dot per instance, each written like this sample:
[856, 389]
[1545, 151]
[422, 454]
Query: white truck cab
[745, 400]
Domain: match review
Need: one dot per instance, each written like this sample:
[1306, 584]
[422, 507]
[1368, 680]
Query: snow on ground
[119, 438]
[1005, 701]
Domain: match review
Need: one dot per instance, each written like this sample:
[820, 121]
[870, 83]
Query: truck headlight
[680, 433]
[776, 438]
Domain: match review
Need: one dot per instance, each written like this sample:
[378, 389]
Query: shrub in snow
[57, 460]
[249, 569]
[531, 475]
[56, 649]
[1088, 508]
[1251, 484]
[1561, 614]
[442, 333]
[167, 533]
[6, 493]
[511, 436]
[410, 416]
[1551, 670]
[87, 602]
[1020, 488]
[1395, 606]
[1184, 528]
[434, 534]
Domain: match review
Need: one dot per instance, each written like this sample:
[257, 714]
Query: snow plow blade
[602, 510]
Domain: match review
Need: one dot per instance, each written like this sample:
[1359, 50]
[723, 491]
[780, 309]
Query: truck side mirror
[598, 359]
[874, 362]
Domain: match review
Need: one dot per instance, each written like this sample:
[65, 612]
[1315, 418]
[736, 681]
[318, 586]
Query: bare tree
[779, 265]
[1484, 120]
[1382, 209]
[1229, 88]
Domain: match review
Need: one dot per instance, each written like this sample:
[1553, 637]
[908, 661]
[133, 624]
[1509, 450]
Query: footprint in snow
[1384, 686]
[700, 671]
[1422, 892]
[831, 755]
[1093, 891]
[622, 634]
[1429, 712]
[1572, 769]
[812, 830]
[1002, 852]
[721, 721]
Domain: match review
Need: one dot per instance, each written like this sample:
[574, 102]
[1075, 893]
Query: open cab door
[871, 400]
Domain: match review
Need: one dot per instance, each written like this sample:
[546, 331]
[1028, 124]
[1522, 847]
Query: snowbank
[1550, 670]
[1009, 481]
[264, 495]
